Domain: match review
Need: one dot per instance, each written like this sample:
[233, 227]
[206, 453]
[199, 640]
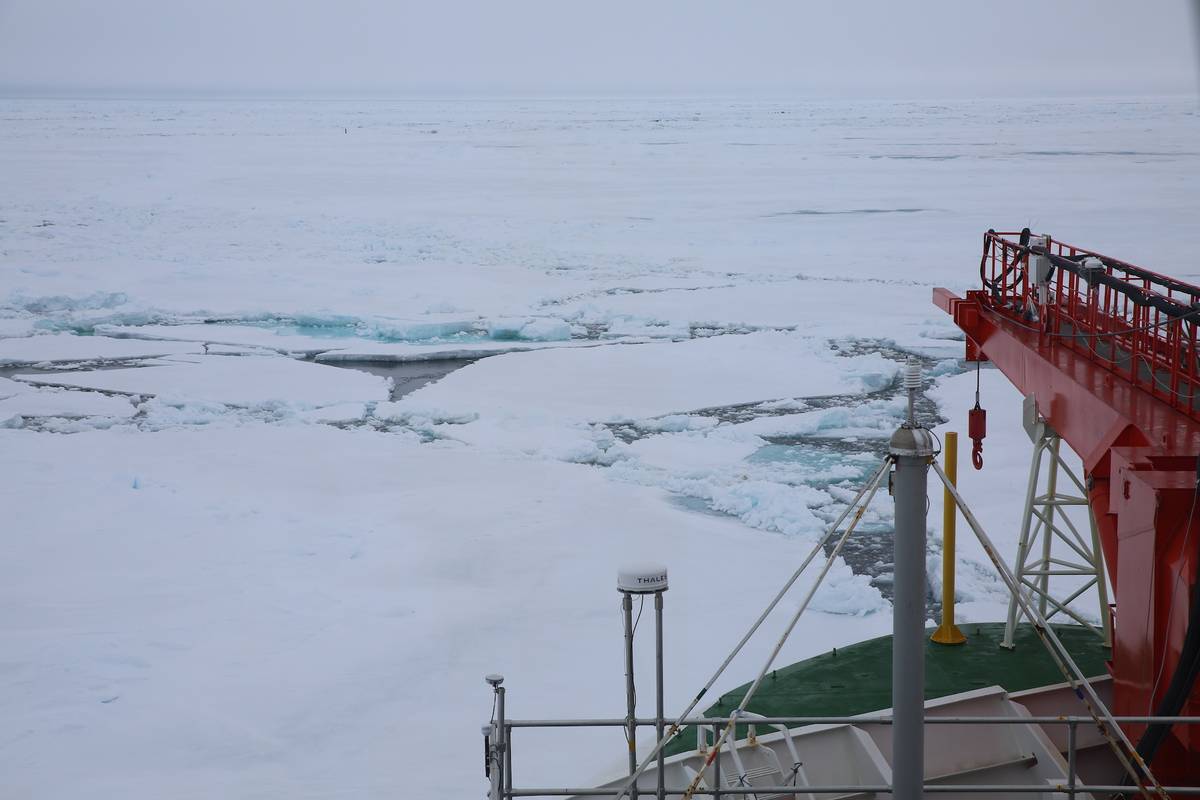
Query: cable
[1125, 332]
[1165, 387]
[1087, 337]
[730, 726]
[633, 632]
[675, 728]
[937, 452]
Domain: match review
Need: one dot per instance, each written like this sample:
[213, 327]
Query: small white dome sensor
[642, 579]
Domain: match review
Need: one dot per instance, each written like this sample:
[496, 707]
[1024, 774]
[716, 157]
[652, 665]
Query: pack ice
[232, 573]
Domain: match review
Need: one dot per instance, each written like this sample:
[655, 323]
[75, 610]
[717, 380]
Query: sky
[809, 47]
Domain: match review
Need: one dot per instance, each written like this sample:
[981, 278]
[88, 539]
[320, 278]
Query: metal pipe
[1071, 761]
[908, 626]
[508, 761]
[658, 700]
[911, 450]
[1101, 577]
[1035, 469]
[630, 692]
[502, 747]
[717, 763]
[948, 632]
[1048, 522]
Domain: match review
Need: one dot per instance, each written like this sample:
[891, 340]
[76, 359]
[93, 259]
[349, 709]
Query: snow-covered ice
[234, 573]
[241, 335]
[59, 403]
[401, 352]
[604, 384]
[66, 347]
[17, 326]
[285, 610]
[231, 380]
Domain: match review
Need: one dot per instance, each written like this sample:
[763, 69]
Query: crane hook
[977, 426]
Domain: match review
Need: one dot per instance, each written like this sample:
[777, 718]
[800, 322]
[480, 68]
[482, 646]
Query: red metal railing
[1139, 324]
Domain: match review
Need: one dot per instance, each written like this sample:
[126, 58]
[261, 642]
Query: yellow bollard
[948, 632]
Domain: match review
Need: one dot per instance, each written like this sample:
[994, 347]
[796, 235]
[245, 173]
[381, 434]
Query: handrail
[1135, 322]
[931, 788]
[1072, 787]
[799, 721]
[1061, 248]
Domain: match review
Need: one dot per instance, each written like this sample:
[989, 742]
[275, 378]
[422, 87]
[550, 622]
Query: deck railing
[499, 737]
[1137, 323]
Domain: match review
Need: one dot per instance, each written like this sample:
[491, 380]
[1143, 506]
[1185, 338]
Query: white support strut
[1045, 517]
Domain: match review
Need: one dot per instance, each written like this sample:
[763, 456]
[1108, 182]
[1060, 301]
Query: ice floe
[339, 414]
[278, 340]
[618, 383]
[875, 418]
[69, 348]
[540, 329]
[17, 326]
[232, 380]
[694, 453]
[52, 403]
[837, 308]
[434, 351]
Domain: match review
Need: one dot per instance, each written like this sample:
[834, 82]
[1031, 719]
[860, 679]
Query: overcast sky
[876, 48]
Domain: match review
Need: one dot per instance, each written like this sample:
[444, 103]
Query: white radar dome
[642, 578]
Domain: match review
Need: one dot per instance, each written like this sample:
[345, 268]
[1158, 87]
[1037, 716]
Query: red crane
[1109, 352]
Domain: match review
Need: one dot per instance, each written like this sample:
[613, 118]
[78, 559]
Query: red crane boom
[1109, 352]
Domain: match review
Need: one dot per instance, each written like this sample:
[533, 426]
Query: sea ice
[17, 326]
[232, 380]
[431, 326]
[235, 602]
[693, 453]
[9, 387]
[399, 352]
[67, 347]
[675, 423]
[872, 419]
[339, 414]
[274, 339]
[59, 403]
[640, 381]
[545, 330]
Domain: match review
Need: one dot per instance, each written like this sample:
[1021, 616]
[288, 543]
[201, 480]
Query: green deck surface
[858, 679]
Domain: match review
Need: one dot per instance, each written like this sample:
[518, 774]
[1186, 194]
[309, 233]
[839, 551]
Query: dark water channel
[407, 376]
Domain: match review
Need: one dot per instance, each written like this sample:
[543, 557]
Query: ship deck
[858, 679]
